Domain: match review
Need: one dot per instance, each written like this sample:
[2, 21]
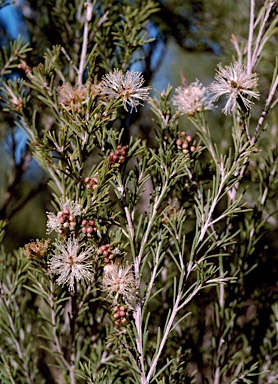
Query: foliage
[153, 267]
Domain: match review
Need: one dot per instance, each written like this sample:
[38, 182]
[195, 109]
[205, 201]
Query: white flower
[65, 218]
[192, 98]
[74, 208]
[118, 281]
[237, 84]
[53, 223]
[125, 86]
[72, 261]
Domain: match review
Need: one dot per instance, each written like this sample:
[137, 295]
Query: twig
[88, 17]
[154, 271]
[250, 37]
[265, 110]
[258, 47]
[73, 316]
[69, 59]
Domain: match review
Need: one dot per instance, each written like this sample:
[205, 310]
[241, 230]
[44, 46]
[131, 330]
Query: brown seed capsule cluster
[91, 182]
[120, 315]
[88, 227]
[119, 155]
[107, 252]
[67, 221]
[36, 249]
[183, 143]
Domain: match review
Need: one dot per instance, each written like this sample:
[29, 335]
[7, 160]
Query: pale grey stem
[139, 340]
[258, 47]
[129, 222]
[208, 221]
[88, 17]
[9, 372]
[138, 310]
[127, 213]
[210, 146]
[217, 370]
[72, 376]
[265, 110]
[164, 338]
[54, 325]
[69, 59]
[153, 275]
[155, 207]
[51, 172]
[235, 44]
[169, 329]
[221, 305]
[221, 289]
[250, 37]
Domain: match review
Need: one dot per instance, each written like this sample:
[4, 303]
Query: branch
[88, 18]
[265, 110]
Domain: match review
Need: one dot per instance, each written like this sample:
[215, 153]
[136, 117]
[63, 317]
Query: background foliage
[158, 39]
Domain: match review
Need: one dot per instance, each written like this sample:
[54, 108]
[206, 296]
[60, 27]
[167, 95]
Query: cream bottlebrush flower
[127, 87]
[118, 282]
[72, 261]
[234, 81]
[64, 218]
[192, 98]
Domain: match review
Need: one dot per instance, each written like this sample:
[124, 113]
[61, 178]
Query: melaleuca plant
[143, 274]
